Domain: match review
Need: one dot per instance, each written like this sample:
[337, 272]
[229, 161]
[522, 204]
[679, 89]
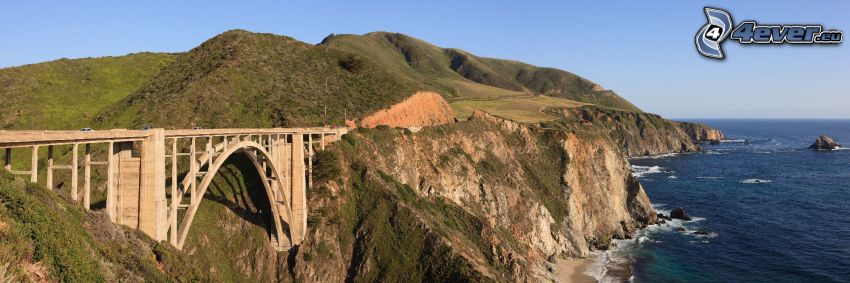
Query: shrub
[352, 64]
[326, 166]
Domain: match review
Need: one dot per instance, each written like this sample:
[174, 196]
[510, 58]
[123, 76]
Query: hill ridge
[447, 68]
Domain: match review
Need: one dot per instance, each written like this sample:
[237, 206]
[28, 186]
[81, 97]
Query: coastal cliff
[485, 199]
[637, 134]
[701, 132]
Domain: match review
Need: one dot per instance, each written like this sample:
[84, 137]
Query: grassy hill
[460, 75]
[244, 79]
[66, 94]
[262, 80]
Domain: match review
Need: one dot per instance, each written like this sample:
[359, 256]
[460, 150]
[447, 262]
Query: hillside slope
[244, 79]
[461, 75]
[67, 93]
[45, 237]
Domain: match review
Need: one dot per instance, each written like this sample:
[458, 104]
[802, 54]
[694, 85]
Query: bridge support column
[153, 219]
[87, 178]
[49, 174]
[75, 179]
[123, 201]
[298, 227]
[281, 157]
[34, 165]
[8, 161]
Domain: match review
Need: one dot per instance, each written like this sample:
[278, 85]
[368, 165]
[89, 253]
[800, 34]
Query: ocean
[770, 210]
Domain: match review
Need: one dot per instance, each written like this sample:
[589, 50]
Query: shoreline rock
[679, 213]
[825, 143]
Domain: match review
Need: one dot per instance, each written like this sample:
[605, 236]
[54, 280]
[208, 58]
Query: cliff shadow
[238, 187]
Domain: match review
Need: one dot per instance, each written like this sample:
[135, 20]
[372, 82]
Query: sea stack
[679, 213]
[824, 143]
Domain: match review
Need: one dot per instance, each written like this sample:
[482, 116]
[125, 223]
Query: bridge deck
[30, 138]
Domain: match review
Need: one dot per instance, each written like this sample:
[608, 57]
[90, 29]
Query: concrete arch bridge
[155, 179]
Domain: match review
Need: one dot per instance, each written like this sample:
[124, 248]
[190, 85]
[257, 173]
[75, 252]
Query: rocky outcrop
[700, 132]
[637, 134]
[679, 213]
[825, 143]
[421, 109]
[485, 199]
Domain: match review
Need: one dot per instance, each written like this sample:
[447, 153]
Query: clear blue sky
[645, 52]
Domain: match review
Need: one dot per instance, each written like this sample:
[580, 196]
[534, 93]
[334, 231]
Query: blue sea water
[775, 211]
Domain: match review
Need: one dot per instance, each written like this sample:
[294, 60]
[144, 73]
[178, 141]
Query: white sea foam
[656, 156]
[709, 235]
[709, 177]
[733, 140]
[640, 171]
[610, 265]
[672, 177]
[754, 181]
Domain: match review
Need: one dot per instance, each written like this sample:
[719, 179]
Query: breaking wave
[656, 156]
[754, 181]
[640, 171]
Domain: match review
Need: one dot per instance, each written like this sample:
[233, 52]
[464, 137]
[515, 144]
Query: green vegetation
[326, 166]
[460, 75]
[387, 228]
[48, 235]
[229, 236]
[528, 109]
[66, 94]
[402, 235]
[244, 79]
[638, 134]
[543, 170]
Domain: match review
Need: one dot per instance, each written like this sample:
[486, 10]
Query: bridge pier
[139, 193]
[34, 165]
[298, 227]
[152, 202]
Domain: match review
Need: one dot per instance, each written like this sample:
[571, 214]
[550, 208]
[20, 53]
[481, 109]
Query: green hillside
[66, 94]
[453, 71]
[44, 237]
[244, 79]
[247, 79]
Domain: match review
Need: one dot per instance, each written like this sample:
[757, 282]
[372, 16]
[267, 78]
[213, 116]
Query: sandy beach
[572, 270]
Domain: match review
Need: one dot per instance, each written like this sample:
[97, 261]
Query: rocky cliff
[486, 199]
[701, 132]
[637, 134]
[421, 109]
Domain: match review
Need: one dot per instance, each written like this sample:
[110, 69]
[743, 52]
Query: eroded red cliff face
[422, 109]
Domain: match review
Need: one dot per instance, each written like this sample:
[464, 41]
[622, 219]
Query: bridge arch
[254, 151]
